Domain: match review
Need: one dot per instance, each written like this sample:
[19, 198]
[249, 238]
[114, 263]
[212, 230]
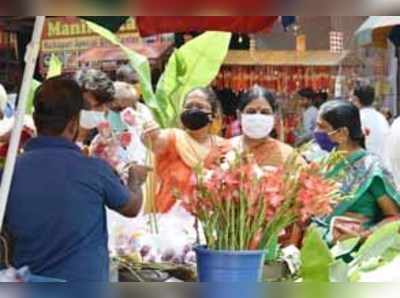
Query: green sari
[363, 181]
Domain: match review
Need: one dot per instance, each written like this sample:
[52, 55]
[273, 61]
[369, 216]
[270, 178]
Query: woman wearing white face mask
[257, 115]
[98, 92]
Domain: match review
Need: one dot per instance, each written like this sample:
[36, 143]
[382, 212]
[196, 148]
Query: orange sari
[174, 168]
[271, 153]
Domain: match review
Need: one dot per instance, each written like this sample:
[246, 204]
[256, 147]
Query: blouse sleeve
[378, 189]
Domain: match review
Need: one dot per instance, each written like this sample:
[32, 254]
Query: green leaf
[378, 243]
[315, 257]
[195, 64]
[339, 271]
[141, 65]
[272, 249]
[55, 67]
[345, 247]
[31, 95]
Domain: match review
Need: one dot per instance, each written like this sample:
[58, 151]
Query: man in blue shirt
[56, 210]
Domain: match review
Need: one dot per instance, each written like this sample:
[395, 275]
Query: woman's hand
[348, 227]
[155, 138]
[216, 155]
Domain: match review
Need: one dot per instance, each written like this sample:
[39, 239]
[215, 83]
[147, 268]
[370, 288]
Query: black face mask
[195, 119]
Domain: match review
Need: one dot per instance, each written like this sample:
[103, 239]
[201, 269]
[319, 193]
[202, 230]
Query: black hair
[96, 82]
[320, 98]
[366, 95]
[210, 96]
[307, 93]
[343, 114]
[56, 102]
[254, 93]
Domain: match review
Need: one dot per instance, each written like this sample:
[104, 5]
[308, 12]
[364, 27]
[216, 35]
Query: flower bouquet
[112, 148]
[243, 207]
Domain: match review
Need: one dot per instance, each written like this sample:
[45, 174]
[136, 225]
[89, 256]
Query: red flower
[125, 139]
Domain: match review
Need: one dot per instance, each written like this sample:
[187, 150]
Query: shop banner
[70, 37]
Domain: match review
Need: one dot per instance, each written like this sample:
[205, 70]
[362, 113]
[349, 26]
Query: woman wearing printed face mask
[373, 196]
[179, 151]
[257, 114]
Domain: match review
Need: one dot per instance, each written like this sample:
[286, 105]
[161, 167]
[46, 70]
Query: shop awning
[150, 25]
[291, 58]
[375, 31]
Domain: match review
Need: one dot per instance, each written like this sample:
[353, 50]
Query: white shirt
[310, 120]
[310, 116]
[376, 129]
[7, 124]
[136, 150]
[392, 152]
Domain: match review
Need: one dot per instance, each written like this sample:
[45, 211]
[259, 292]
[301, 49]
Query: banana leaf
[55, 67]
[345, 247]
[378, 243]
[195, 64]
[339, 271]
[141, 65]
[316, 258]
[29, 103]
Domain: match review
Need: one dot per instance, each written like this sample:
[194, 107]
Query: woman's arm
[155, 138]
[390, 211]
[388, 207]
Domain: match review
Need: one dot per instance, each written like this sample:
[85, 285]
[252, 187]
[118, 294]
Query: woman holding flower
[179, 152]
[372, 196]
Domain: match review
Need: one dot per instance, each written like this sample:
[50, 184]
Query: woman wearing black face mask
[179, 151]
[373, 198]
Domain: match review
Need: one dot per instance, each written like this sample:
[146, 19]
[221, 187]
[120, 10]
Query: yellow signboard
[69, 37]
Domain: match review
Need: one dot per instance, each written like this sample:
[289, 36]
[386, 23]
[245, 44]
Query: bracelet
[150, 126]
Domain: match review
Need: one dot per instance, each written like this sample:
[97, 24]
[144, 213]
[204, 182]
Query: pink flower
[128, 117]
[125, 139]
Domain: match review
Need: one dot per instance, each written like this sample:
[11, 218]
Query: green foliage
[55, 67]
[381, 248]
[316, 258]
[195, 64]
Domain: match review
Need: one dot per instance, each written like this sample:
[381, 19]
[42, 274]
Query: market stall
[285, 73]
[376, 32]
[243, 217]
[76, 45]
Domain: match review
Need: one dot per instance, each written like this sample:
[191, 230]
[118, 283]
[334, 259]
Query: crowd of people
[78, 165]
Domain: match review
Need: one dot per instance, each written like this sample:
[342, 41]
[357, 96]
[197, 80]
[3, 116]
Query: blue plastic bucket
[229, 266]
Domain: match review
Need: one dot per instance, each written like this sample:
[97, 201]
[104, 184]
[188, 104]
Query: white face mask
[257, 126]
[91, 119]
